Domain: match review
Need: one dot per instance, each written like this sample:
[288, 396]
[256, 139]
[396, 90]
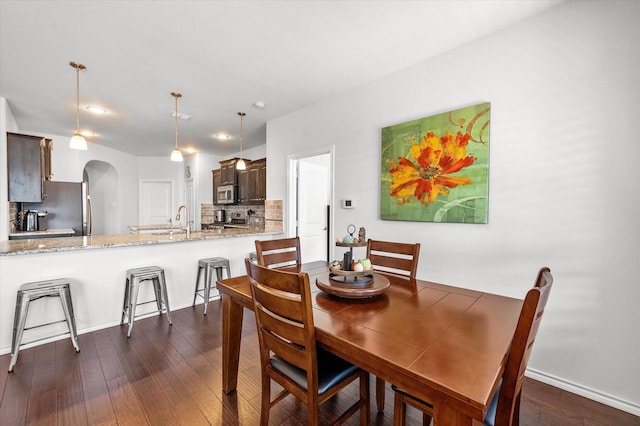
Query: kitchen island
[96, 266]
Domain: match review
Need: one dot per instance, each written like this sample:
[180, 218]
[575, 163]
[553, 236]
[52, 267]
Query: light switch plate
[347, 204]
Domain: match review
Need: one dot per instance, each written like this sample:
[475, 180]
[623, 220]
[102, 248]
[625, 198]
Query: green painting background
[463, 204]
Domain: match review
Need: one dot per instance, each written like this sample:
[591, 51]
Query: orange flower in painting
[429, 176]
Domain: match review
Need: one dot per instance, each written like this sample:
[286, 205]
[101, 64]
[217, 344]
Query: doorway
[310, 202]
[103, 192]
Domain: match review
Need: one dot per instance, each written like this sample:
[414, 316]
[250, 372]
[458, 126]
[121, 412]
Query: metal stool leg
[163, 285]
[195, 293]
[67, 307]
[133, 297]
[158, 292]
[207, 287]
[125, 303]
[22, 310]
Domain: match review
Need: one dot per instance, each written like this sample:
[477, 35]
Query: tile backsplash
[257, 216]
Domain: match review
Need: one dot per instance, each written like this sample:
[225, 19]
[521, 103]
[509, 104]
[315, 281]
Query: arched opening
[104, 195]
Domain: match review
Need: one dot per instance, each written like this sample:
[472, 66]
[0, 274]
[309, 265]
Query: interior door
[313, 199]
[155, 202]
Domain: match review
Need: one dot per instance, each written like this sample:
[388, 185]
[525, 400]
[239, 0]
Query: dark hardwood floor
[172, 375]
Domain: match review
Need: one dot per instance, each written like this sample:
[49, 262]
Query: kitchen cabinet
[243, 185]
[28, 166]
[251, 183]
[228, 173]
[216, 183]
[258, 180]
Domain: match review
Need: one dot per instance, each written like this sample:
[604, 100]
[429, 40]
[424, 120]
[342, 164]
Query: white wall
[563, 88]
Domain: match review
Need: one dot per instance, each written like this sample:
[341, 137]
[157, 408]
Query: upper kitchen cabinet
[28, 165]
[258, 180]
[251, 184]
[228, 174]
[217, 179]
[243, 185]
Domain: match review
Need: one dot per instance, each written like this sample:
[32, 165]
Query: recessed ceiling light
[222, 136]
[258, 105]
[96, 109]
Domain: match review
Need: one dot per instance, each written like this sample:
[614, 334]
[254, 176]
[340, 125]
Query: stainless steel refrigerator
[67, 204]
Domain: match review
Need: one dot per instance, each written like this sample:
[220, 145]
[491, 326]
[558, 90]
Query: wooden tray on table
[353, 285]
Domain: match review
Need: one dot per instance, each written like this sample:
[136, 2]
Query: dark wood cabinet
[216, 183]
[243, 185]
[251, 183]
[258, 180]
[228, 172]
[28, 165]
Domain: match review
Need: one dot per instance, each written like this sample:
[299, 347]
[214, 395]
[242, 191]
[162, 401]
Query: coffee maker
[30, 220]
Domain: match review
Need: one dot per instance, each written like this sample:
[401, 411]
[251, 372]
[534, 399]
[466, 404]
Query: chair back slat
[278, 253]
[521, 347]
[394, 258]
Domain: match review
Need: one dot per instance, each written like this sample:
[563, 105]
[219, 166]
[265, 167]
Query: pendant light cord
[77, 99]
[176, 122]
[176, 95]
[241, 114]
[78, 68]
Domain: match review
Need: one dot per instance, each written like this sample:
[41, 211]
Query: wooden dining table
[444, 344]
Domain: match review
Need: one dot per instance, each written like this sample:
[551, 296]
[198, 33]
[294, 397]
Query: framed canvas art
[436, 169]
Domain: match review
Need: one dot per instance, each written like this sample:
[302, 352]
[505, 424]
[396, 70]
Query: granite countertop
[50, 245]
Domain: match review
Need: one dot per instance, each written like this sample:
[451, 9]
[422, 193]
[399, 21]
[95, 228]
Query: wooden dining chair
[399, 259]
[278, 253]
[504, 409]
[288, 351]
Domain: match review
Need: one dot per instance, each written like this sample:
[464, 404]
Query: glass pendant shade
[176, 155]
[78, 142]
[241, 165]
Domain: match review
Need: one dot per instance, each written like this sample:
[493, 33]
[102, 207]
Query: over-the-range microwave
[226, 194]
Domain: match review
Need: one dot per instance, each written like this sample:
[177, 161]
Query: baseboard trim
[609, 400]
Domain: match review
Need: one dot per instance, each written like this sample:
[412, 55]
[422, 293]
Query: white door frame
[292, 165]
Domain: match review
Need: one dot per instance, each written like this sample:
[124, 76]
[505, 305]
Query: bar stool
[30, 292]
[135, 277]
[217, 263]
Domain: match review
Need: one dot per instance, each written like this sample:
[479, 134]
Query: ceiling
[222, 56]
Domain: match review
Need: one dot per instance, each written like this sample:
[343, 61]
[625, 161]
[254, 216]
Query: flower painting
[436, 169]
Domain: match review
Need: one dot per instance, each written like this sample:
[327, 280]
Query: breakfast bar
[96, 265]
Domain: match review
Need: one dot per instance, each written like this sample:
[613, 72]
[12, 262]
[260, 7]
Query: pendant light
[176, 155]
[77, 141]
[241, 165]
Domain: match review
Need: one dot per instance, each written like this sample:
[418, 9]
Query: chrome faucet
[186, 220]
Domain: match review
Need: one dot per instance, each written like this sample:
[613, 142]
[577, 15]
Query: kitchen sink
[168, 231]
